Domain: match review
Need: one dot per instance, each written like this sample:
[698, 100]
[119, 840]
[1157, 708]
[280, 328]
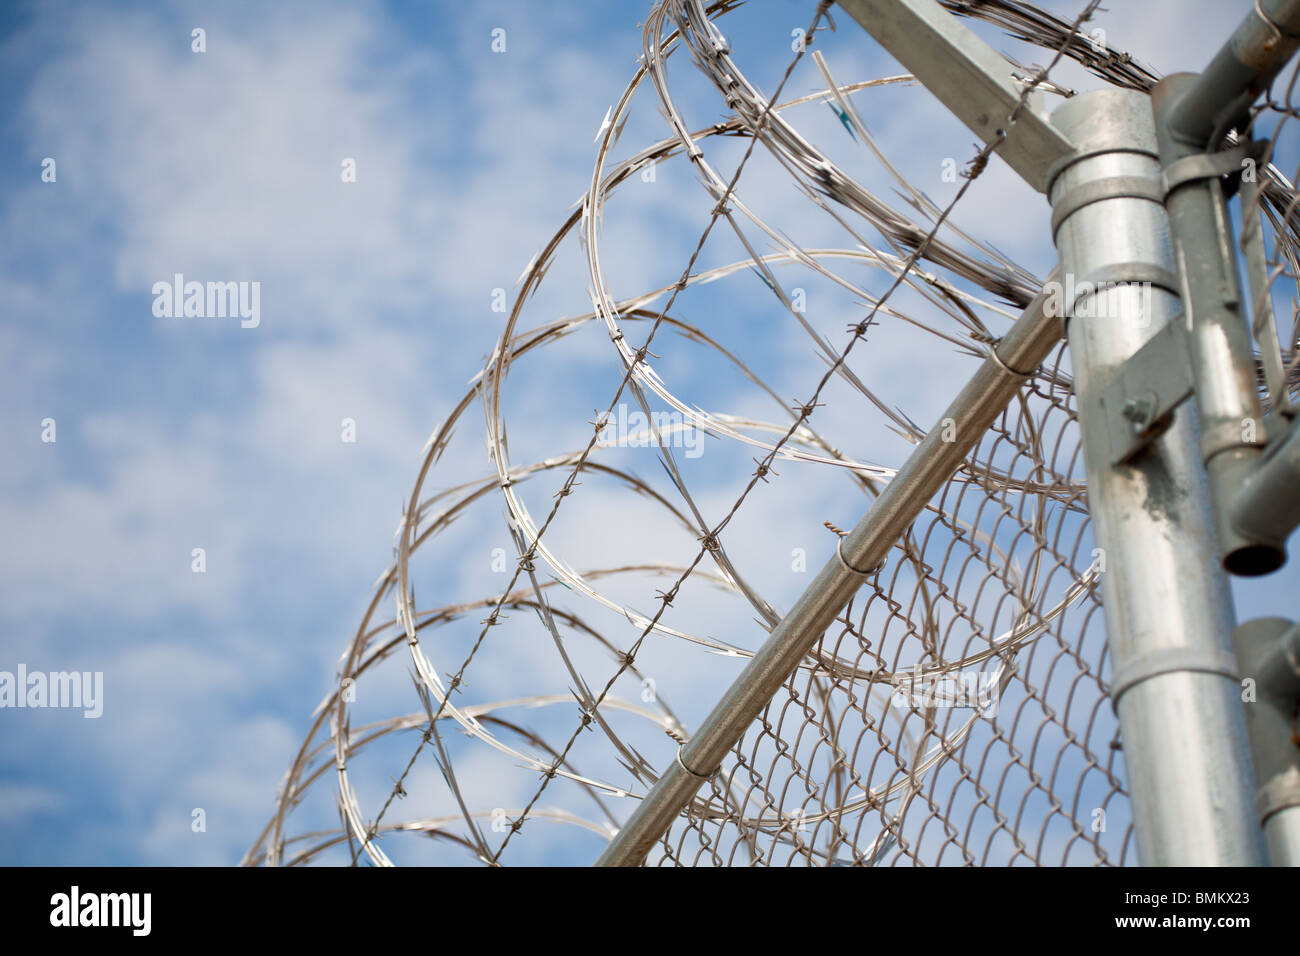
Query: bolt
[1140, 412]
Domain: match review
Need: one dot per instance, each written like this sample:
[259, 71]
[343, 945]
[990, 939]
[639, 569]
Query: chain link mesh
[957, 713]
[960, 714]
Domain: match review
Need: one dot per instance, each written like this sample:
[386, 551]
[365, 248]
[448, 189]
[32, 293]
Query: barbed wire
[1016, 509]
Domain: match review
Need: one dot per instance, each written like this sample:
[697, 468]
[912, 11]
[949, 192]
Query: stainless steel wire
[959, 711]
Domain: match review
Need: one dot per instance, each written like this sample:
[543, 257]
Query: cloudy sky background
[376, 305]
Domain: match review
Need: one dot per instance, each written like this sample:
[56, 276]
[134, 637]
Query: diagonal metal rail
[860, 553]
[967, 76]
[975, 83]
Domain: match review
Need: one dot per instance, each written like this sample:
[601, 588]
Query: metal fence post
[1168, 608]
[1268, 649]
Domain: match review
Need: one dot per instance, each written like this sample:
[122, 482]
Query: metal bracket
[1138, 400]
[1227, 165]
[1170, 660]
[1116, 187]
[1278, 793]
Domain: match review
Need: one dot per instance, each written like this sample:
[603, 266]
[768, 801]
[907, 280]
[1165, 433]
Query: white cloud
[226, 166]
[20, 801]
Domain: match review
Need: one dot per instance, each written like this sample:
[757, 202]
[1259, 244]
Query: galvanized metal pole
[1168, 609]
[1232, 431]
[931, 463]
[1242, 69]
[1193, 115]
[1268, 649]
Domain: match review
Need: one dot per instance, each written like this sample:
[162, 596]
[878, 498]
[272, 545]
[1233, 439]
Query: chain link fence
[958, 713]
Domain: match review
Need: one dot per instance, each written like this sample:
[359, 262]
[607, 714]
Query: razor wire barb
[530, 552]
[976, 166]
[1044, 508]
[709, 540]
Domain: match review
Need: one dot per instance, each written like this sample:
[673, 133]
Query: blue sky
[174, 434]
